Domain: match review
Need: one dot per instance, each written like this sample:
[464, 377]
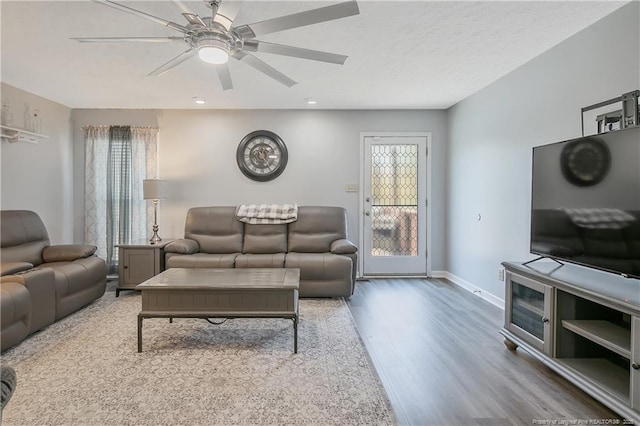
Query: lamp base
[155, 239]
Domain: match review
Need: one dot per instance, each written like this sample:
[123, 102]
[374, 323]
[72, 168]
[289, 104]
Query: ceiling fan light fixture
[213, 51]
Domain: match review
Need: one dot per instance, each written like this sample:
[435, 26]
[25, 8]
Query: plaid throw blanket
[267, 213]
[600, 218]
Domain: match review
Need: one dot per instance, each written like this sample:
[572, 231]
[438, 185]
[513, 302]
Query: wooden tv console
[583, 323]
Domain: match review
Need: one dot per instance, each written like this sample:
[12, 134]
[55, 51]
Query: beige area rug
[86, 370]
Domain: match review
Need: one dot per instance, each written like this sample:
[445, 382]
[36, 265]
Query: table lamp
[155, 190]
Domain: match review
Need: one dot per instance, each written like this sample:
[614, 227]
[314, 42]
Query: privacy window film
[394, 200]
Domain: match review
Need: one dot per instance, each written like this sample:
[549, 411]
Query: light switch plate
[352, 187]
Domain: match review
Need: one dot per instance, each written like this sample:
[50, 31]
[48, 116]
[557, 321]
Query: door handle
[368, 200]
[367, 213]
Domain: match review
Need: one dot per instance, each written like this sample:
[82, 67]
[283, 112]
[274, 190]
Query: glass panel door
[528, 310]
[395, 206]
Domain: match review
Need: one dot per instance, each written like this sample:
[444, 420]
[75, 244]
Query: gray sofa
[41, 283]
[315, 243]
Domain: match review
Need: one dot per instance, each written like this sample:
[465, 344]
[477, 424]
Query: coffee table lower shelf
[227, 315]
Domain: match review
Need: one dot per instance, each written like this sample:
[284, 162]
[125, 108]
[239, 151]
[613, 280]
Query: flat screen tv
[585, 201]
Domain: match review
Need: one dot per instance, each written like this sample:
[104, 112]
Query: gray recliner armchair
[58, 279]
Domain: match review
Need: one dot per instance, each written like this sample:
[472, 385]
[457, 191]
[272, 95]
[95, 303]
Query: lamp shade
[154, 189]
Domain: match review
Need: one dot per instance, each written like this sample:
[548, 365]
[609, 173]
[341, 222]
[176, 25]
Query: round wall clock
[262, 155]
[585, 162]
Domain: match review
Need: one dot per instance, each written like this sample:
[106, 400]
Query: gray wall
[197, 156]
[492, 132]
[39, 177]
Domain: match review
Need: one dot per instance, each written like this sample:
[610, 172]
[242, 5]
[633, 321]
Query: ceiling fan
[214, 39]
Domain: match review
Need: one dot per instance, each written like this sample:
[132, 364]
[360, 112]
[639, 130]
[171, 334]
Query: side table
[139, 261]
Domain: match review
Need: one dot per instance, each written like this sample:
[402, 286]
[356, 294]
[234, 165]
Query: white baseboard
[439, 274]
[472, 288]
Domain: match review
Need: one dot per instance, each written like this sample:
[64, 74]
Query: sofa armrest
[8, 268]
[343, 246]
[182, 246]
[67, 252]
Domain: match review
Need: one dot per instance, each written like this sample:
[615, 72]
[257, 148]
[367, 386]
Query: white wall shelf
[14, 135]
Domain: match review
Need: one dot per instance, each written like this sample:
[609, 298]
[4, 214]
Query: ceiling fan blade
[162, 69]
[183, 7]
[144, 15]
[297, 52]
[225, 76]
[309, 17]
[126, 39]
[194, 19]
[264, 68]
[227, 12]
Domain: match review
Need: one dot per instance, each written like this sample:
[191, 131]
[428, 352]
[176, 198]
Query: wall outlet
[501, 274]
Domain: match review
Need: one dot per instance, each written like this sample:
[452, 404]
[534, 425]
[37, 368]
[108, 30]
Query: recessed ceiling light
[199, 101]
[311, 101]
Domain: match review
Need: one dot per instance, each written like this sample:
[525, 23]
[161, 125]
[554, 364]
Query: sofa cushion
[67, 252]
[201, 260]
[265, 239]
[274, 260]
[316, 228]
[322, 274]
[8, 268]
[23, 236]
[315, 266]
[216, 229]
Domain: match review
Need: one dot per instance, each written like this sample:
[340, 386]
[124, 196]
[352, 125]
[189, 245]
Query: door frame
[363, 135]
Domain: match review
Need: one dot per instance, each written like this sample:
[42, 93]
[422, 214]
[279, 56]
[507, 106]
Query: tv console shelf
[583, 323]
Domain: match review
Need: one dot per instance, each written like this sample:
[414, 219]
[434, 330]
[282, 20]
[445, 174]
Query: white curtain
[117, 214]
[145, 147]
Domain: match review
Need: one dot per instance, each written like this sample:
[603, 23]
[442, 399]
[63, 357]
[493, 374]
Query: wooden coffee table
[221, 293]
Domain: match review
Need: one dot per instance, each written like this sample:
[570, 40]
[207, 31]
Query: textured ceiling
[402, 55]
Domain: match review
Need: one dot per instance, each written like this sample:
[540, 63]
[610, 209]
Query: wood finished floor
[441, 360]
